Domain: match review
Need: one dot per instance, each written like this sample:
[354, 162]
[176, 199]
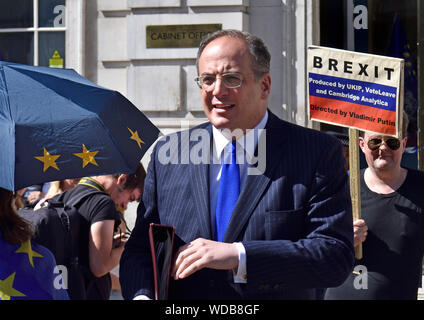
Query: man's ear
[361, 143]
[266, 86]
[404, 142]
[122, 178]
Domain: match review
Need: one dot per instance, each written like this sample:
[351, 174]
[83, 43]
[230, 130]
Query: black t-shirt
[394, 247]
[95, 208]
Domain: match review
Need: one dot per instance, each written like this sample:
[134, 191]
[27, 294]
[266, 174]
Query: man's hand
[360, 232]
[202, 253]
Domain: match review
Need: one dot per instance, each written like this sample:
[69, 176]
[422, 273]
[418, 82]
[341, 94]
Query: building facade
[160, 80]
[123, 45]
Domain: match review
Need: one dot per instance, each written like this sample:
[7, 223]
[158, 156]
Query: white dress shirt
[245, 150]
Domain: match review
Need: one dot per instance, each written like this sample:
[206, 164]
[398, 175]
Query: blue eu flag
[27, 271]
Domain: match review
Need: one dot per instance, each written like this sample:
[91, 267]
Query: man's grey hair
[259, 53]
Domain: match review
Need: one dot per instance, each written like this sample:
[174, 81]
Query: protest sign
[355, 90]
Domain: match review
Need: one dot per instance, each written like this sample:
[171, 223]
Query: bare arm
[102, 256]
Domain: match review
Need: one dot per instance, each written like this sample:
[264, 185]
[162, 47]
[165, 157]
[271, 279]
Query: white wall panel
[215, 3]
[112, 5]
[192, 90]
[155, 88]
[112, 35]
[114, 79]
[153, 3]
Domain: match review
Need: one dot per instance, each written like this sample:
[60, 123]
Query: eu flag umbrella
[55, 124]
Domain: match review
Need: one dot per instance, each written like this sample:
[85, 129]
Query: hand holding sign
[358, 91]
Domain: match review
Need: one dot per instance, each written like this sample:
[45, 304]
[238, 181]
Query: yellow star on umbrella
[87, 156]
[7, 290]
[135, 137]
[26, 248]
[48, 160]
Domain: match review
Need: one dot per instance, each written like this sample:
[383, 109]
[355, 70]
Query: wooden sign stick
[355, 187]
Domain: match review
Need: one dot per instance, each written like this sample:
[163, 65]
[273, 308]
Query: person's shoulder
[97, 207]
[101, 198]
[415, 174]
[82, 189]
[95, 201]
[297, 132]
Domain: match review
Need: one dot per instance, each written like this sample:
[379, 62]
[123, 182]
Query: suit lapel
[255, 185]
[199, 185]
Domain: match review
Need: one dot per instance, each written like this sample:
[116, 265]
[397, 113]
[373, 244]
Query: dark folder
[161, 245]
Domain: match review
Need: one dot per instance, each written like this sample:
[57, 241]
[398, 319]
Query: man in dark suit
[289, 228]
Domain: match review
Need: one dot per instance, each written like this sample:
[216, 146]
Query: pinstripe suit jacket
[294, 220]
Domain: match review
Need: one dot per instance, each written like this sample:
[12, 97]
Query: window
[33, 32]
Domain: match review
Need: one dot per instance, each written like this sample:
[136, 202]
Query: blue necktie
[229, 190]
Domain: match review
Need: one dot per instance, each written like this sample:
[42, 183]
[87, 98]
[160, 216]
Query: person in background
[27, 270]
[123, 232]
[33, 194]
[344, 139]
[391, 228]
[19, 202]
[56, 187]
[99, 251]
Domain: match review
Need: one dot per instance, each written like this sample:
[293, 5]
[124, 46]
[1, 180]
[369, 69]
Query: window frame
[35, 29]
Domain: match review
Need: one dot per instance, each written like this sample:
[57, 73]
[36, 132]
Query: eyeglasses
[375, 143]
[231, 80]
